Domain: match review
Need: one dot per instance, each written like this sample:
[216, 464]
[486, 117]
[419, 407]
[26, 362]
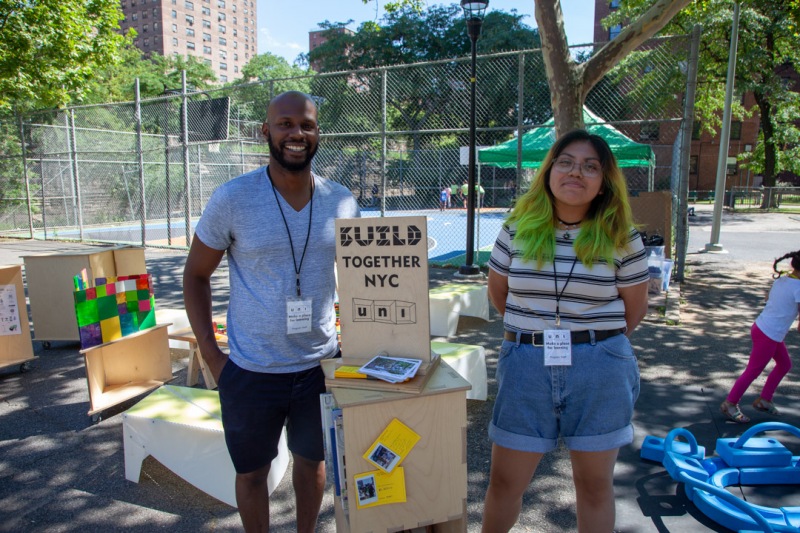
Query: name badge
[298, 315]
[557, 347]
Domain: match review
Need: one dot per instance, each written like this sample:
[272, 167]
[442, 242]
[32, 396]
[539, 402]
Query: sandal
[733, 413]
[765, 406]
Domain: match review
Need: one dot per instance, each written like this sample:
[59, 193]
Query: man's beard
[275, 154]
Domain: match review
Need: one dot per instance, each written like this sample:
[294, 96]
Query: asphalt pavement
[60, 472]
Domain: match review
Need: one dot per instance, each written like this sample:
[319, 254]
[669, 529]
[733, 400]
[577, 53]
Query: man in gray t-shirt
[276, 225]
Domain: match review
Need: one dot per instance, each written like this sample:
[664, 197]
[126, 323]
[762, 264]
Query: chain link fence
[141, 172]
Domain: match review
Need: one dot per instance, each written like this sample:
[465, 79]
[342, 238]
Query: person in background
[768, 333]
[444, 196]
[375, 195]
[568, 273]
[276, 225]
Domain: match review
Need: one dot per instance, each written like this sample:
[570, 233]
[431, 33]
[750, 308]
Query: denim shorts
[588, 404]
[255, 407]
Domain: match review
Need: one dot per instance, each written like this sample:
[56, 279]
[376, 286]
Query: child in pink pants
[768, 332]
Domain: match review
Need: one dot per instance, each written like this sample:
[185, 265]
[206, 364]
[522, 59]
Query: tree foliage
[767, 49]
[49, 49]
[425, 98]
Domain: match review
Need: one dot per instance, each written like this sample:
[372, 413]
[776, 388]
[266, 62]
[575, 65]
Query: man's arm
[498, 291]
[200, 265]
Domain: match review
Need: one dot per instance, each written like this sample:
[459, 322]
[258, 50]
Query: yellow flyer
[379, 488]
[392, 446]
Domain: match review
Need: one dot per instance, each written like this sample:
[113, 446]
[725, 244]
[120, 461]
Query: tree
[267, 75]
[49, 49]
[423, 98]
[767, 47]
[570, 81]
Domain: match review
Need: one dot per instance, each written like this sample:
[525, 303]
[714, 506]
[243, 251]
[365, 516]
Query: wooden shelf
[124, 368]
[16, 349]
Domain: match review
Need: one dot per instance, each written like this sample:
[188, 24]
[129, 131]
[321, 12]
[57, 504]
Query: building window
[207, 24]
[693, 164]
[206, 11]
[246, 55]
[221, 4]
[736, 130]
[235, 44]
[155, 11]
[144, 28]
[155, 26]
[174, 2]
[223, 66]
[234, 8]
[697, 130]
[188, 5]
[221, 17]
[649, 131]
[223, 55]
[614, 4]
[189, 45]
[135, 16]
[207, 62]
[613, 31]
[235, 69]
[174, 14]
[174, 28]
[223, 78]
[207, 50]
[221, 28]
[223, 41]
[732, 166]
[190, 32]
[144, 14]
[147, 42]
[235, 33]
[174, 41]
[234, 21]
[235, 56]
[190, 20]
[206, 37]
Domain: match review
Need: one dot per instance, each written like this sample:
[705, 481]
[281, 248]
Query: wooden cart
[16, 348]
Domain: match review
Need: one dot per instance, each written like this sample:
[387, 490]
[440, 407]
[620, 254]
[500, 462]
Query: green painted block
[101, 291]
[107, 307]
[147, 319]
[80, 296]
[86, 313]
[144, 294]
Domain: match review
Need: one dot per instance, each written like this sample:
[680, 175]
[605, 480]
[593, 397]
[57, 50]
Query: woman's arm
[498, 291]
[635, 299]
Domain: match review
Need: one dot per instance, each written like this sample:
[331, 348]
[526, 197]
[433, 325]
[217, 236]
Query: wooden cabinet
[127, 367]
[15, 347]
[435, 469]
[50, 285]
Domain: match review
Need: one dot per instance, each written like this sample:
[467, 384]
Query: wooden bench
[181, 428]
[448, 302]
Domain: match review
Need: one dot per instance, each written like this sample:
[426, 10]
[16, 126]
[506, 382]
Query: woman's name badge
[557, 347]
[298, 315]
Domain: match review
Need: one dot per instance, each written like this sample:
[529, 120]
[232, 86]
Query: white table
[181, 428]
[450, 301]
[469, 361]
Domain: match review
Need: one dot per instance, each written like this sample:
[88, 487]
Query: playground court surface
[61, 472]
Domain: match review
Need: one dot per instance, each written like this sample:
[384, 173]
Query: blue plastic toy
[745, 461]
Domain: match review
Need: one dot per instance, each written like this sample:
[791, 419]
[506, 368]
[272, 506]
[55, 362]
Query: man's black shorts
[255, 407]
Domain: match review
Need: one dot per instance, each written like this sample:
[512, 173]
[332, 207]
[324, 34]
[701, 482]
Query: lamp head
[474, 11]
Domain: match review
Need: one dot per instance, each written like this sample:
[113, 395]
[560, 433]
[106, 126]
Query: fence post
[186, 171]
[140, 157]
[76, 177]
[520, 116]
[682, 223]
[25, 170]
[383, 142]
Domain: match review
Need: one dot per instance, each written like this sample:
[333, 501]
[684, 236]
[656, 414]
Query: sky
[283, 25]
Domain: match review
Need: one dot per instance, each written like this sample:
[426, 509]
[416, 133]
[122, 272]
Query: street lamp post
[473, 15]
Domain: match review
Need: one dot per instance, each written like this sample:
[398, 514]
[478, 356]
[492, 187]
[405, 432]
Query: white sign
[463, 154]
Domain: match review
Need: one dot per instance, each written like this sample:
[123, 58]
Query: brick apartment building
[317, 37]
[221, 33]
[705, 147]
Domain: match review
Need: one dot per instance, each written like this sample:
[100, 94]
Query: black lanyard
[289, 233]
[555, 283]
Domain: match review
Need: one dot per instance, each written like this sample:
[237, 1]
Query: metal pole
[520, 123]
[468, 268]
[382, 192]
[186, 172]
[44, 204]
[168, 107]
[722, 163]
[140, 156]
[25, 171]
[682, 237]
[79, 205]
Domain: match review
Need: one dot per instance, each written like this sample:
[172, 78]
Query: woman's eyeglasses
[590, 169]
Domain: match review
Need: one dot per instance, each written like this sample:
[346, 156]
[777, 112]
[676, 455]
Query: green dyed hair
[608, 222]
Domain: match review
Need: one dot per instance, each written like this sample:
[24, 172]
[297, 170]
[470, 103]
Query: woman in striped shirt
[569, 274]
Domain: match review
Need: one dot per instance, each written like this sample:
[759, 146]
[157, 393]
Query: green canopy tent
[538, 141]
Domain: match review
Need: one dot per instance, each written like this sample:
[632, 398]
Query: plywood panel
[101, 265]
[129, 261]
[16, 348]
[382, 267]
[652, 211]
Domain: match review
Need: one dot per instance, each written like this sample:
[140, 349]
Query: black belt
[578, 337]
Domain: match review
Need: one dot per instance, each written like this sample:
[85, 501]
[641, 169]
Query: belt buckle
[533, 339]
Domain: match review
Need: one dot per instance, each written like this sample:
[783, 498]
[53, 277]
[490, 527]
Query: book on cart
[391, 369]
